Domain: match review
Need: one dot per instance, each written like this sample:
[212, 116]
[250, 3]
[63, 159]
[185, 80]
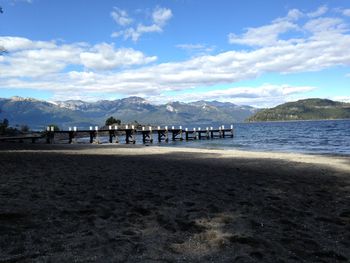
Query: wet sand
[107, 203]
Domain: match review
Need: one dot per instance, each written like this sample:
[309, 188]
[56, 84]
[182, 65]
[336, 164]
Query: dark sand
[96, 203]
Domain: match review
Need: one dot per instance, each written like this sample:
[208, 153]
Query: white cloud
[28, 58]
[43, 65]
[148, 29]
[121, 17]
[190, 46]
[264, 35]
[18, 1]
[135, 33]
[160, 16]
[196, 49]
[227, 67]
[319, 12]
[105, 56]
[20, 43]
[268, 35]
[292, 15]
[325, 25]
[346, 12]
[264, 91]
[263, 96]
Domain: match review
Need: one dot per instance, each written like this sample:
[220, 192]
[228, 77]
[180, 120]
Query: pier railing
[148, 133]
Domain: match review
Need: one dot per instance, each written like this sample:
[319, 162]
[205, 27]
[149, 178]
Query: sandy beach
[115, 203]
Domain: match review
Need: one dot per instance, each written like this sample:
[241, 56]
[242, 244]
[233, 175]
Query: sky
[258, 53]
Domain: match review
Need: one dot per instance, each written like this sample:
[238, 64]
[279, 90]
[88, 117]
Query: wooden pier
[148, 133]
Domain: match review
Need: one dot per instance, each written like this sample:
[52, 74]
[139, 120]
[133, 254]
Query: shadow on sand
[170, 208]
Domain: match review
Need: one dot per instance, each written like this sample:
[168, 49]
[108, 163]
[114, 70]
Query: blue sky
[260, 53]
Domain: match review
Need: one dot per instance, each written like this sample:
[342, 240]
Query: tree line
[5, 128]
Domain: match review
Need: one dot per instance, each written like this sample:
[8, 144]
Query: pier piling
[147, 136]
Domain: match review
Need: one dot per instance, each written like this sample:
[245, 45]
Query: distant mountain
[308, 109]
[37, 114]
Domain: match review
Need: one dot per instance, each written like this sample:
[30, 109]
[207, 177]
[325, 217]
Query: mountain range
[37, 114]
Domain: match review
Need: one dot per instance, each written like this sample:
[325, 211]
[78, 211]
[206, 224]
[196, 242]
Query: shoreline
[130, 149]
[173, 145]
[229, 148]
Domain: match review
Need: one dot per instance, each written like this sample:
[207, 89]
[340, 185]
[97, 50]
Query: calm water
[320, 137]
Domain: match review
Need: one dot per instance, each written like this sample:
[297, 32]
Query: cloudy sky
[259, 53]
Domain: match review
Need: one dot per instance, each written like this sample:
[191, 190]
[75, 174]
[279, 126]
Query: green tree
[111, 120]
[3, 126]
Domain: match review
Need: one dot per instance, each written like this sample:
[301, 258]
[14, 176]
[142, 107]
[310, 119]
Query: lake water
[320, 137]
